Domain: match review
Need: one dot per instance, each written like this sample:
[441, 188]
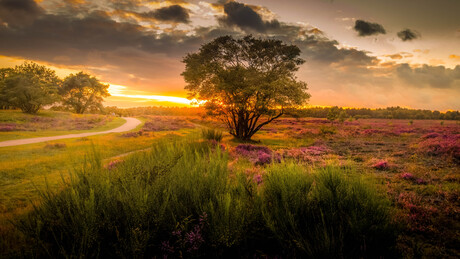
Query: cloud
[408, 35]
[172, 13]
[113, 41]
[455, 57]
[424, 51]
[246, 18]
[430, 76]
[367, 28]
[18, 12]
[395, 56]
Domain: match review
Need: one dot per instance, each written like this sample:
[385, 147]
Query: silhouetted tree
[248, 82]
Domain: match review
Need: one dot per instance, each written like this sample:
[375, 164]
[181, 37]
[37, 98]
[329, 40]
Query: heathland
[179, 186]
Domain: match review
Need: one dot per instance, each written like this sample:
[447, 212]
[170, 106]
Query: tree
[29, 87]
[342, 116]
[333, 114]
[247, 82]
[83, 92]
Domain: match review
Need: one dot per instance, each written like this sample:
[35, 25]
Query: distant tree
[333, 114]
[247, 82]
[342, 116]
[83, 92]
[29, 87]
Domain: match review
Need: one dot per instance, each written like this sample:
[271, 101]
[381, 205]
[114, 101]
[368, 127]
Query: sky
[359, 53]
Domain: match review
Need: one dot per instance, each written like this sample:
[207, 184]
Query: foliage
[328, 214]
[248, 82]
[437, 145]
[82, 92]
[28, 87]
[326, 130]
[382, 113]
[163, 123]
[333, 114]
[181, 200]
[211, 134]
[342, 116]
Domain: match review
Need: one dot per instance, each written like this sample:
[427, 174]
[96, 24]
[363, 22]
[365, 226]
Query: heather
[167, 123]
[181, 200]
[370, 188]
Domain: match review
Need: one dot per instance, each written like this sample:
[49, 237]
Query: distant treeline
[155, 110]
[381, 113]
[315, 112]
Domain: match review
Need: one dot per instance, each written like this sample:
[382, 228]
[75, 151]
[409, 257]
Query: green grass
[211, 134]
[18, 117]
[180, 199]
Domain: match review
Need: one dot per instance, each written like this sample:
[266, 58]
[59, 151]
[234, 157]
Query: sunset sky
[359, 53]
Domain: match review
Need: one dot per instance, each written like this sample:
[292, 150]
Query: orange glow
[13, 61]
[122, 91]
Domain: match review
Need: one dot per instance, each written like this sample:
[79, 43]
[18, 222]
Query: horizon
[398, 55]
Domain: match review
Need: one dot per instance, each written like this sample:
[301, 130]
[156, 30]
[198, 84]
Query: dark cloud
[327, 52]
[246, 18]
[111, 43]
[172, 13]
[18, 12]
[430, 76]
[367, 28]
[408, 34]
[60, 35]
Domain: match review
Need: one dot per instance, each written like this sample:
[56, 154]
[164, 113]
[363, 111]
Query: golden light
[122, 91]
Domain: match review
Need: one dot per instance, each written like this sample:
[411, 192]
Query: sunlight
[119, 91]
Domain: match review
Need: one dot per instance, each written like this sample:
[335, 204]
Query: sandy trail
[131, 123]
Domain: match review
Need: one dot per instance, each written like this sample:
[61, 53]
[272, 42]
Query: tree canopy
[82, 92]
[28, 87]
[248, 82]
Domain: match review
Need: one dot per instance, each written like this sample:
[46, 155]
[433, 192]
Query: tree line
[380, 113]
[30, 87]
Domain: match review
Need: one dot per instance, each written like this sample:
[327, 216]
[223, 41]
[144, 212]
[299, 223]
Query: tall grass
[326, 214]
[211, 134]
[181, 200]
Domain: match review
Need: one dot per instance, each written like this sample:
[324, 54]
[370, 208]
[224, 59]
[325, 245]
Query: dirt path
[131, 123]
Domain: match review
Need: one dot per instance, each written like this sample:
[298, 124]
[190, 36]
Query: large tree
[83, 92]
[28, 87]
[248, 82]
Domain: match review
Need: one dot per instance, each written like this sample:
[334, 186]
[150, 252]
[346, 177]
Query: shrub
[326, 130]
[381, 165]
[258, 155]
[211, 134]
[441, 145]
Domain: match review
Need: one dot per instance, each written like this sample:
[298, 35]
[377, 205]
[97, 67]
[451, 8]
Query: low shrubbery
[211, 134]
[181, 200]
[436, 144]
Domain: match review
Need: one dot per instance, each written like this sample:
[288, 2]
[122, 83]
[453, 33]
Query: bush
[326, 130]
[441, 145]
[211, 134]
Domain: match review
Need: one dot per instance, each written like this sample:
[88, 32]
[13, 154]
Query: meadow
[17, 125]
[178, 186]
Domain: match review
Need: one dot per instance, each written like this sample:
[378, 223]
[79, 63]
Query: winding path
[131, 123]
